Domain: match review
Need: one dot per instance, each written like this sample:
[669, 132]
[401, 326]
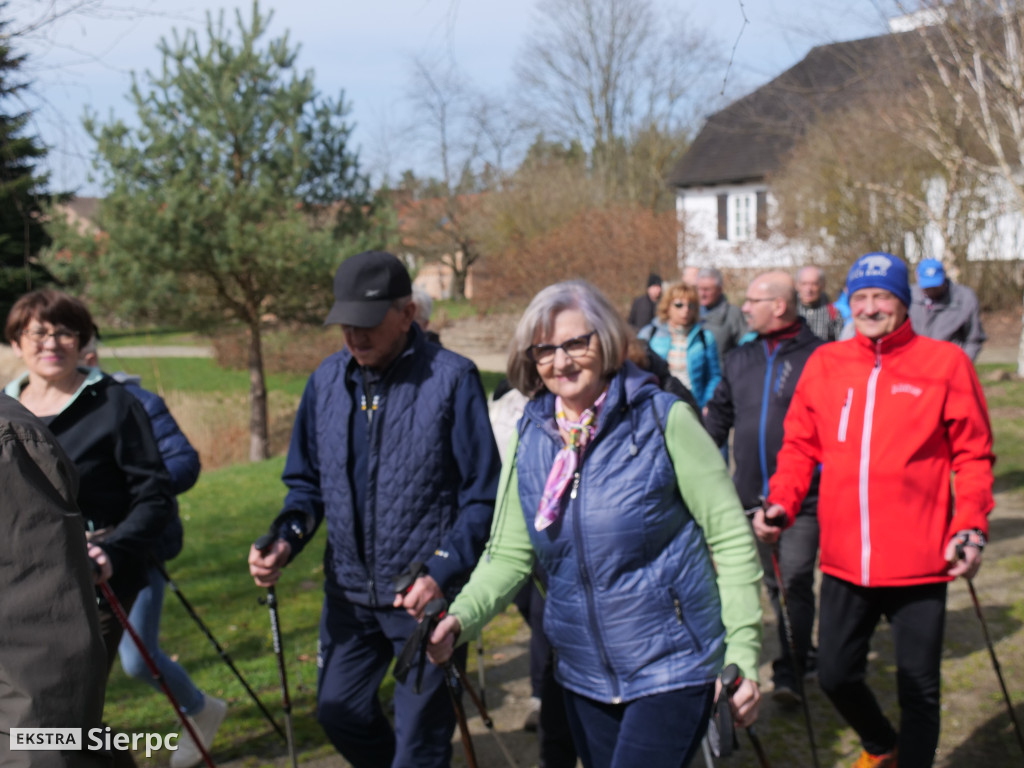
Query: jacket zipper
[762, 424]
[865, 465]
[677, 604]
[585, 575]
[374, 429]
[844, 419]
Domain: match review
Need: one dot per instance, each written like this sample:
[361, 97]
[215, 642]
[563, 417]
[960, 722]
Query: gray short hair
[424, 306]
[712, 272]
[818, 271]
[613, 334]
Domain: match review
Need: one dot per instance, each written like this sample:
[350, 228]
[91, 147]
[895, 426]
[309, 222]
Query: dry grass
[10, 365]
[218, 424]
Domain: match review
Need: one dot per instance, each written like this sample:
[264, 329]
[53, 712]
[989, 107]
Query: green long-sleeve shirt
[709, 494]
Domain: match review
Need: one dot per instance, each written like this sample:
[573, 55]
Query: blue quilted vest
[632, 606]
[412, 498]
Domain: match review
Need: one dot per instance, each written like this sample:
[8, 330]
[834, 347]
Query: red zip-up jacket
[901, 428]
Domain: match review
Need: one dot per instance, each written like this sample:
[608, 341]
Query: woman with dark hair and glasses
[676, 337]
[613, 486]
[124, 490]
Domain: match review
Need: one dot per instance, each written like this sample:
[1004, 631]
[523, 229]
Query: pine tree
[22, 189]
[234, 199]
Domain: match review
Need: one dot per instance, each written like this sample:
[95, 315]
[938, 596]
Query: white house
[724, 203]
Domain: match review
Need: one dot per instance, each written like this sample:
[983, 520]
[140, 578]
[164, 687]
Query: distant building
[727, 214]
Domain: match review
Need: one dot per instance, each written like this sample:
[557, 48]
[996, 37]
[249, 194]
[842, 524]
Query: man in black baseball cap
[392, 445]
[365, 285]
[373, 305]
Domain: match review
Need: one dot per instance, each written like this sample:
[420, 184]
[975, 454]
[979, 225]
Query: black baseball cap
[364, 287]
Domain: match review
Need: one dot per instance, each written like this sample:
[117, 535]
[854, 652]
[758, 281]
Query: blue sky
[366, 48]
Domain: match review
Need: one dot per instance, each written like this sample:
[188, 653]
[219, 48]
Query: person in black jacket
[757, 384]
[183, 465]
[645, 307]
[124, 491]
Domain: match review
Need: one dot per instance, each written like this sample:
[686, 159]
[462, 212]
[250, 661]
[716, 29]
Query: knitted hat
[653, 279]
[880, 270]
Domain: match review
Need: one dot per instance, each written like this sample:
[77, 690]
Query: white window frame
[741, 210]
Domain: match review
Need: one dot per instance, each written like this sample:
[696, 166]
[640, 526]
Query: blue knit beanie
[880, 270]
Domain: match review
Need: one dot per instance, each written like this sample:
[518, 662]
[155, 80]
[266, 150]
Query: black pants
[917, 615]
[798, 549]
[554, 736]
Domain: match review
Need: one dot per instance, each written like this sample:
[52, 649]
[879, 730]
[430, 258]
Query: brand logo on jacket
[906, 389]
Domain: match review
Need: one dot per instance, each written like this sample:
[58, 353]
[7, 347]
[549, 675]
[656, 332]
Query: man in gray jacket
[941, 309]
[724, 320]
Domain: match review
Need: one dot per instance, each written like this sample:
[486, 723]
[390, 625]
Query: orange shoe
[867, 760]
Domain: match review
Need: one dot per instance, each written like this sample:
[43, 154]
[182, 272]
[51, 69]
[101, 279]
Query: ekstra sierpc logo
[67, 739]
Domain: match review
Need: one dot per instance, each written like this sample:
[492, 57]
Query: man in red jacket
[899, 424]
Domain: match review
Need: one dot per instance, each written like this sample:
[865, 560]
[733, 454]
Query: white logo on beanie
[876, 265]
[371, 292]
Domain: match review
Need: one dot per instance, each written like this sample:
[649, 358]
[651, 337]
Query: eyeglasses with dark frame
[65, 337]
[680, 304]
[577, 346]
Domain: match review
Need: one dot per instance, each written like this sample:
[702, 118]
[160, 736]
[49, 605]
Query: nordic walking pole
[450, 681]
[263, 543]
[415, 654]
[480, 667]
[992, 651]
[223, 654]
[787, 627]
[488, 721]
[731, 680]
[122, 618]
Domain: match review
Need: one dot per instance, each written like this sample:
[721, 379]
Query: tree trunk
[1020, 355]
[459, 283]
[259, 443]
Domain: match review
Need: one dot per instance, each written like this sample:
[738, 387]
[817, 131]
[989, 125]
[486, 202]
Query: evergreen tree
[22, 194]
[235, 198]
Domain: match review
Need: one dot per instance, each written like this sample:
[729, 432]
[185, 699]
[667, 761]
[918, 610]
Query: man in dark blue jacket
[392, 444]
[757, 384]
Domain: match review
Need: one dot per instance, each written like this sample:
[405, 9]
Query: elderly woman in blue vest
[615, 488]
[675, 336]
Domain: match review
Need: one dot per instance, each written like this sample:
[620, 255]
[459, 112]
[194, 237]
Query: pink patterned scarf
[576, 435]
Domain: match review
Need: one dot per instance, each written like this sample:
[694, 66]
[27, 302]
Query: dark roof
[748, 139]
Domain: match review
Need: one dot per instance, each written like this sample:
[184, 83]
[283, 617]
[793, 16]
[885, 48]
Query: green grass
[198, 374]
[222, 515]
[1006, 408]
[150, 337]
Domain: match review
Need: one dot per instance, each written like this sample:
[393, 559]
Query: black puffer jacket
[124, 487]
[753, 398]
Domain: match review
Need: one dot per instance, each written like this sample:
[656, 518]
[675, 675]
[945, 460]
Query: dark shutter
[762, 215]
[723, 217]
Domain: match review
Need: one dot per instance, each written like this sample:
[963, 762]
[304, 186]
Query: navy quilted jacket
[632, 603]
[180, 458]
[431, 470]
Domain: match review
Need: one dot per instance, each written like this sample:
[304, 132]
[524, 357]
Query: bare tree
[469, 136]
[977, 50]
[613, 74]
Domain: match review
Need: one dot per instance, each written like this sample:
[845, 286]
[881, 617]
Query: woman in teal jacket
[689, 350]
[613, 486]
